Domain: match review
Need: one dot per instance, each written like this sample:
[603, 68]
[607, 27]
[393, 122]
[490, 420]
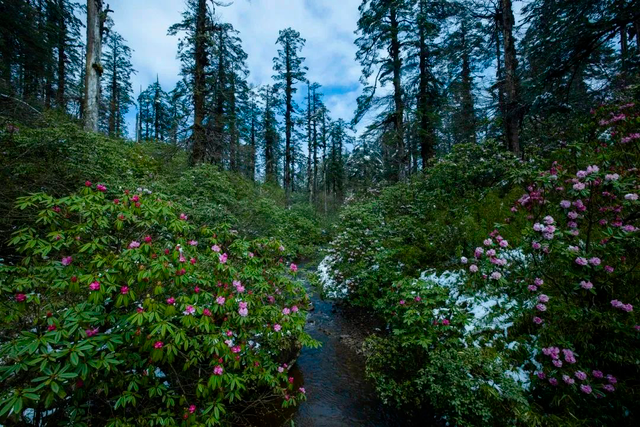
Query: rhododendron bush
[539, 324]
[123, 312]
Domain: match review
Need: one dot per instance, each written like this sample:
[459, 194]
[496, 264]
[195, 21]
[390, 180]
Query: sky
[327, 25]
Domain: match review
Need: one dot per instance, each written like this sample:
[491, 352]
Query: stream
[333, 375]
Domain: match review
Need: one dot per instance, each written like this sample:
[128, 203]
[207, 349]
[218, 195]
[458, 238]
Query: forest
[383, 213]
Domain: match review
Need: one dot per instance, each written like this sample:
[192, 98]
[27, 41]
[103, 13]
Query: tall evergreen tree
[117, 82]
[289, 71]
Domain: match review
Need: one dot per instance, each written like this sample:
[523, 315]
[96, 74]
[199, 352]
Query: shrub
[123, 312]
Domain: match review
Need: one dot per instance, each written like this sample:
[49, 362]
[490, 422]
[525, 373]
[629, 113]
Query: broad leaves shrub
[412, 226]
[122, 312]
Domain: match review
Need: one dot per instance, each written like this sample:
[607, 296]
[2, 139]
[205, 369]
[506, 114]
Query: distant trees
[116, 84]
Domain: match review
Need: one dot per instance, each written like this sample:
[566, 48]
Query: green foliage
[122, 311]
[424, 223]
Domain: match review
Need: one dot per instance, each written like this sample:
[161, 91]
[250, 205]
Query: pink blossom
[595, 261]
[548, 220]
[631, 196]
[543, 298]
[609, 388]
[206, 312]
[572, 215]
[87, 183]
[504, 243]
[220, 300]
[183, 217]
[236, 349]
[496, 275]
[189, 310]
[295, 308]
[553, 381]
[229, 333]
[532, 288]
[91, 332]
[293, 268]
[581, 261]
[538, 227]
[402, 302]
[67, 260]
[277, 327]
[630, 138]
[586, 285]
[557, 363]
[541, 307]
[536, 245]
[192, 409]
[491, 253]
[567, 379]
[243, 311]
[579, 186]
[446, 322]
[215, 248]
[580, 375]
[302, 390]
[488, 242]
[193, 243]
[158, 344]
[21, 297]
[537, 320]
[251, 255]
[124, 290]
[608, 269]
[101, 188]
[218, 370]
[464, 260]
[280, 369]
[286, 311]
[585, 388]
[473, 268]
[223, 258]
[541, 375]
[611, 379]
[94, 286]
[281, 248]
[565, 204]
[611, 177]
[134, 244]
[171, 300]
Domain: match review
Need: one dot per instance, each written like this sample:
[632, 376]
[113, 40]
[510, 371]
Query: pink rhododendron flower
[218, 370]
[277, 327]
[496, 275]
[124, 290]
[293, 268]
[158, 344]
[567, 379]
[581, 261]
[565, 204]
[286, 311]
[280, 369]
[580, 375]
[543, 298]
[223, 258]
[183, 217]
[585, 388]
[196, 289]
[536, 245]
[295, 308]
[215, 248]
[541, 375]
[609, 388]
[595, 261]
[134, 244]
[491, 253]
[538, 281]
[611, 379]
[541, 307]
[464, 260]
[94, 286]
[532, 288]
[281, 248]
[206, 312]
[586, 285]
[91, 332]
[21, 297]
[446, 322]
[537, 320]
[631, 196]
[243, 311]
[488, 242]
[553, 381]
[236, 349]
[171, 300]
[579, 186]
[504, 243]
[189, 310]
[192, 409]
[67, 260]
[473, 268]
[557, 363]
[302, 390]
[220, 300]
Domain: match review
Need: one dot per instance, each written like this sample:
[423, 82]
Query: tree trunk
[219, 117]
[200, 62]
[287, 120]
[426, 132]
[400, 155]
[468, 111]
[233, 127]
[309, 145]
[315, 147]
[93, 68]
[512, 92]
[62, 45]
[114, 90]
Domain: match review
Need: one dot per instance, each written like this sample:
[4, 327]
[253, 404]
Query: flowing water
[338, 393]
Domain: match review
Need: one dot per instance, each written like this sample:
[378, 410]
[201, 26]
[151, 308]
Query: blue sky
[327, 25]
